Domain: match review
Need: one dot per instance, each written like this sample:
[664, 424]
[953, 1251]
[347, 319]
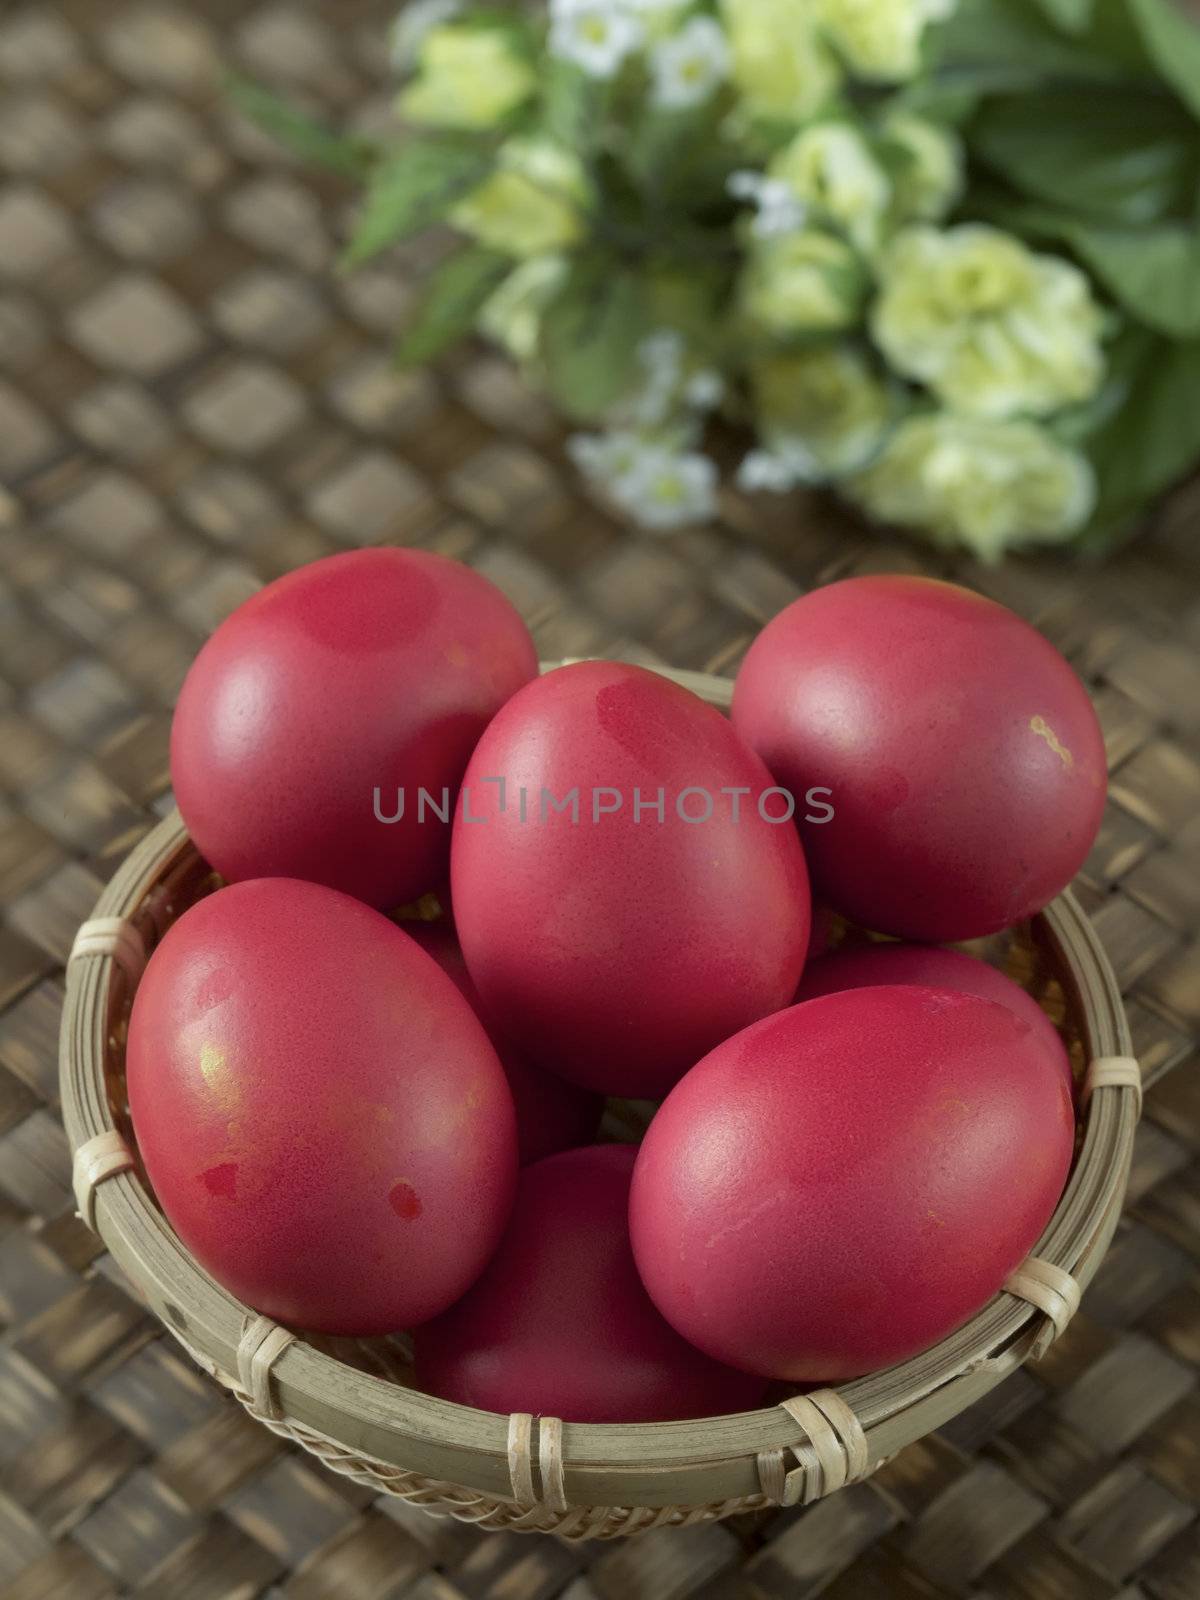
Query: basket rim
[698, 1462]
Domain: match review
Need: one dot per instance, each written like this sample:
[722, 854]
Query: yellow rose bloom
[931, 177]
[830, 167]
[781, 68]
[531, 205]
[824, 405]
[803, 282]
[993, 329]
[880, 39]
[469, 78]
[986, 485]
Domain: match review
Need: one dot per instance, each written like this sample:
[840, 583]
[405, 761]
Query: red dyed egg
[322, 700]
[552, 1114]
[321, 1115]
[934, 968]
[965, 760]
[845, 1183]
[560, 1324]
[616, 948]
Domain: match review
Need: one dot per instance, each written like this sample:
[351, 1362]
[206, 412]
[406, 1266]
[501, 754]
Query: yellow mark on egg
[456, 655]
[212, 1059]
[1044, 731]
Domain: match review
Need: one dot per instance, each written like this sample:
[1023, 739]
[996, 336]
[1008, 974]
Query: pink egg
[614, 942]
[933, 968]
[845, 1183]
[965, 761]
[332, 694]
[552, 1114]
[559, 1324]
[320, 1114]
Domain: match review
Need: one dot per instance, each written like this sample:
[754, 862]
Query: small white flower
[777, 209]
[410, 28]
[668, 489]
[705, 390]
[662, 351]
[596, 35]
[657, 486]
[763, 471]
[778, 470]
[603, 457]
[744, 185]
[688, 66]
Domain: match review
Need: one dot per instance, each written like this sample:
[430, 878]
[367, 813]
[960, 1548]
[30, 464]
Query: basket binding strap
[521, 1472]
[1052, 1290]
[1113, 1072]
[260, 1346]
[103, 1156]
[836, 1439]
[111, 936]
[550, 1463]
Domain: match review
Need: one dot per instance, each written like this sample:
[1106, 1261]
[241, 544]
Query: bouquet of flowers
[943, 255]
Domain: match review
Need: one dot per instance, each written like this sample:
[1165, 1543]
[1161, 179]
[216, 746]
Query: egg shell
[617, 949]
[372, 669]
[934, 968]
[845, 1183]
[320, 1113]
[552, 1114]
[965, 759]
[560, 1325]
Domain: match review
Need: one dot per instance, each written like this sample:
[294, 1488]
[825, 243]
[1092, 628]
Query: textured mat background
[191, 403]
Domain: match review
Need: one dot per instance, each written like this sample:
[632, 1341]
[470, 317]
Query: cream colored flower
[831, 169]
[470, 78]
[930, 179]
[822, 409]
[992, 328]
[512, 314]
[880, 39]
[532, 204]
[780, 64]
[987, 485]
[804, 282]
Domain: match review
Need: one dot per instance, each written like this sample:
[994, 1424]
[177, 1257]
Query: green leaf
[1154, 437]
[1123, 156]
[298, 132]
[451, 303]
[988, 38]
[1173, 42]
[1072, 16]
[570, 104]
[411, 188]
[589, 339]
[1153, 272]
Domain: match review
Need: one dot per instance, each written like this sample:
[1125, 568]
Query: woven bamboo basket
[350, 1404]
